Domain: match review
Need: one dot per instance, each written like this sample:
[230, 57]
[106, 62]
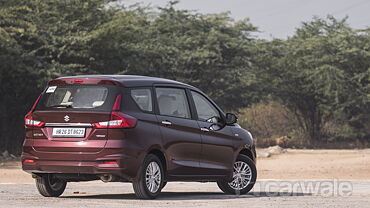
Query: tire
[49, 186]
[150, 168]
[240, 188]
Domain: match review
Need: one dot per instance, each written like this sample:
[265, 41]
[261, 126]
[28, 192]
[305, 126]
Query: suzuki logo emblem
[66, 118]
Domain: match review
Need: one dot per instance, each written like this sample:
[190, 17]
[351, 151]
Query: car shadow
[191, 195]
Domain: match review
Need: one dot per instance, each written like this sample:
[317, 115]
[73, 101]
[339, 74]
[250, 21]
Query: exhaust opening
[108, 178]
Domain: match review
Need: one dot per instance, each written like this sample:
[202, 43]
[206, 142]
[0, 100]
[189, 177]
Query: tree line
[320, 74]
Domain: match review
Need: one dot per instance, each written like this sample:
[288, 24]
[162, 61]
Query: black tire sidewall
[45, 188]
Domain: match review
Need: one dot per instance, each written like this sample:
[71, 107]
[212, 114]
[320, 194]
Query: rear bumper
[79, 167]
[127, 165]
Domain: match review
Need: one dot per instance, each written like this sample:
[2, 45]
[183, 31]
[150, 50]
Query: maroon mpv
[137, 129]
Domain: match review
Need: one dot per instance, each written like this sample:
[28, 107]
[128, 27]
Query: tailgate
[73, 131]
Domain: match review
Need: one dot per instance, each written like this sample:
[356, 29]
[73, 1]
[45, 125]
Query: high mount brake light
[28, 120]
[117, 119]
[78, 81]
[66, 81]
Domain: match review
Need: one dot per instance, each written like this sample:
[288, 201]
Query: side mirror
[231, 118]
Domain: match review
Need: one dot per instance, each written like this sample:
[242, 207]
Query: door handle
[204, 129]
[166, 123]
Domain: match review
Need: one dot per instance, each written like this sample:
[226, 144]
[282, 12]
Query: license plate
[68, 132]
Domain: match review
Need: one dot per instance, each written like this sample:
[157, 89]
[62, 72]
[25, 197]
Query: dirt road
[298, 178]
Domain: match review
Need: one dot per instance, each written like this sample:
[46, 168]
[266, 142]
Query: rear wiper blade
[59, 106]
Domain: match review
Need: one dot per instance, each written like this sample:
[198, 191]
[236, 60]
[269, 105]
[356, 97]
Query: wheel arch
[248, 153]
[162, 158]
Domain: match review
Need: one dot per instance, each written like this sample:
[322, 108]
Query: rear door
[180, 134]
[69, 112]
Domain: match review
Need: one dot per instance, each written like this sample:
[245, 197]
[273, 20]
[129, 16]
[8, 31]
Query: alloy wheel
[242, 176]
[153, 177]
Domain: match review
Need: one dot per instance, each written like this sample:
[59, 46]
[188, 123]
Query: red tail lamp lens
[117, 103]
[28, 161]
[28, 120]
[118, 120]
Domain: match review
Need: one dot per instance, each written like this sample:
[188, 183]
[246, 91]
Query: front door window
[205, 110]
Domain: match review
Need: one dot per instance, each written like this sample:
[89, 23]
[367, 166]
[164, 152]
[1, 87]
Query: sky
[277, 18]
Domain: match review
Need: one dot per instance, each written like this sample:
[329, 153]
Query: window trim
[157, 112]
[152, 97]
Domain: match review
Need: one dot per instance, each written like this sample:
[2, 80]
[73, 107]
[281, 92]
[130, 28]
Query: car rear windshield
[78, 97]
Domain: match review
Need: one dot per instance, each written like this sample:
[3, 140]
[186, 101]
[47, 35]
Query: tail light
[117, 119]
[28, 120]
[78, 81]
[117, 103]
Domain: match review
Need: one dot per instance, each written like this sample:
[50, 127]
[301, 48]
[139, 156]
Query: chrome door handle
[204, 129]
[166, 123]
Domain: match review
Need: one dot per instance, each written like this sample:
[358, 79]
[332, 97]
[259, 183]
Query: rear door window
[78, 97]
[172, 102]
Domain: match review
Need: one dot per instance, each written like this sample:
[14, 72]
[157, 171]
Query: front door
[217, 141]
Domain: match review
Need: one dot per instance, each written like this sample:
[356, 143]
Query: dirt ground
[316, 164]
[291, 165]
